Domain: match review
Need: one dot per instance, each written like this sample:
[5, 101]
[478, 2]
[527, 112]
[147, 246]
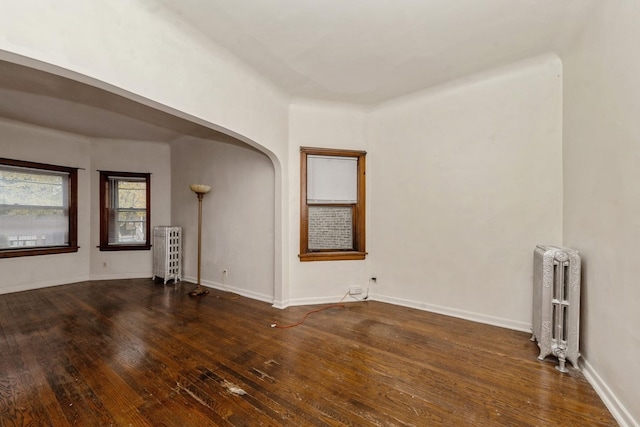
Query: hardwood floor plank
[139, 372]
[18, 358]
[137, 352]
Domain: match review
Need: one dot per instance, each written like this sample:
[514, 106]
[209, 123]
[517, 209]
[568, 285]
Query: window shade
[332, 179]
[33, 208]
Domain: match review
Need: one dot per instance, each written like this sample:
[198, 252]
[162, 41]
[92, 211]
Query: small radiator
[556, 304]
[167, 253]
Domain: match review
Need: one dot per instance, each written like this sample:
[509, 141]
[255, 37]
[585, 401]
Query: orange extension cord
[300, 322]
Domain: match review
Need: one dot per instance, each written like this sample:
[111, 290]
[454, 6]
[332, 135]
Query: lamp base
[198, 292]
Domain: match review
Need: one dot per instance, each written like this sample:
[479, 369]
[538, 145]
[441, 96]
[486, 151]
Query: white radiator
[556, 303]
[167, 253]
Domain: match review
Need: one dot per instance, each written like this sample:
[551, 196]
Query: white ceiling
[360, 51]
[367, 51]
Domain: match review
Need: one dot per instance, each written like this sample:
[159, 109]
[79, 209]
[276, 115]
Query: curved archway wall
[153, 59]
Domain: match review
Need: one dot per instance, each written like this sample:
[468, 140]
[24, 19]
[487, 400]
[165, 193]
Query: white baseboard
[314, 301]
[222, 287]
[617, 409]
[49, 284]
[467, 315]
[281, 304]
[453, 312]
[120, 276]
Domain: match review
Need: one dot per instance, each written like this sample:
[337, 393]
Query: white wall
[602, 198]
[467, 179]
[238, 214]
[327, 125]
[463, 180]
[139, 50]
[30, 143]
[147, 53]
[128, 156]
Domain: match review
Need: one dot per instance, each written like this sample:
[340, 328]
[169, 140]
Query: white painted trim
[462, 314]
[281, 304]
[611, 401]
[467, 315]
[324, 300]
[32, 286]
[245, 293]
[314, 301]
[119, 276]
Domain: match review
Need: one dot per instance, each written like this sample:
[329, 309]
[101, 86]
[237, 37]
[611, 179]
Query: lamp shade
[200, 188]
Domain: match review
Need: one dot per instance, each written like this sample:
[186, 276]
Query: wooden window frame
[72, 207]
[358, 214]
[104, 212]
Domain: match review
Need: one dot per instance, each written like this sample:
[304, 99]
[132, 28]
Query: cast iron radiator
[167, 253]
[556, 304]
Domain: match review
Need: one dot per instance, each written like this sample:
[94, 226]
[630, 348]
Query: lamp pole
[200, 191]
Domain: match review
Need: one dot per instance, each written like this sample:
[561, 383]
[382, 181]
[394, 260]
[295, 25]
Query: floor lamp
[200, 190]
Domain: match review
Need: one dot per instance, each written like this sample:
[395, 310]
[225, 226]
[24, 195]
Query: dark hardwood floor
[135, 352]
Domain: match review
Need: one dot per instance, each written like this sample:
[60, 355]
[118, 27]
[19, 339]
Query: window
[332, 204]
[38, 209]
[125, 211]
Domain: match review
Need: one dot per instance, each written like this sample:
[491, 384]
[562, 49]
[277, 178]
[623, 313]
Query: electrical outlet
[225, 272]
[355, 290]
